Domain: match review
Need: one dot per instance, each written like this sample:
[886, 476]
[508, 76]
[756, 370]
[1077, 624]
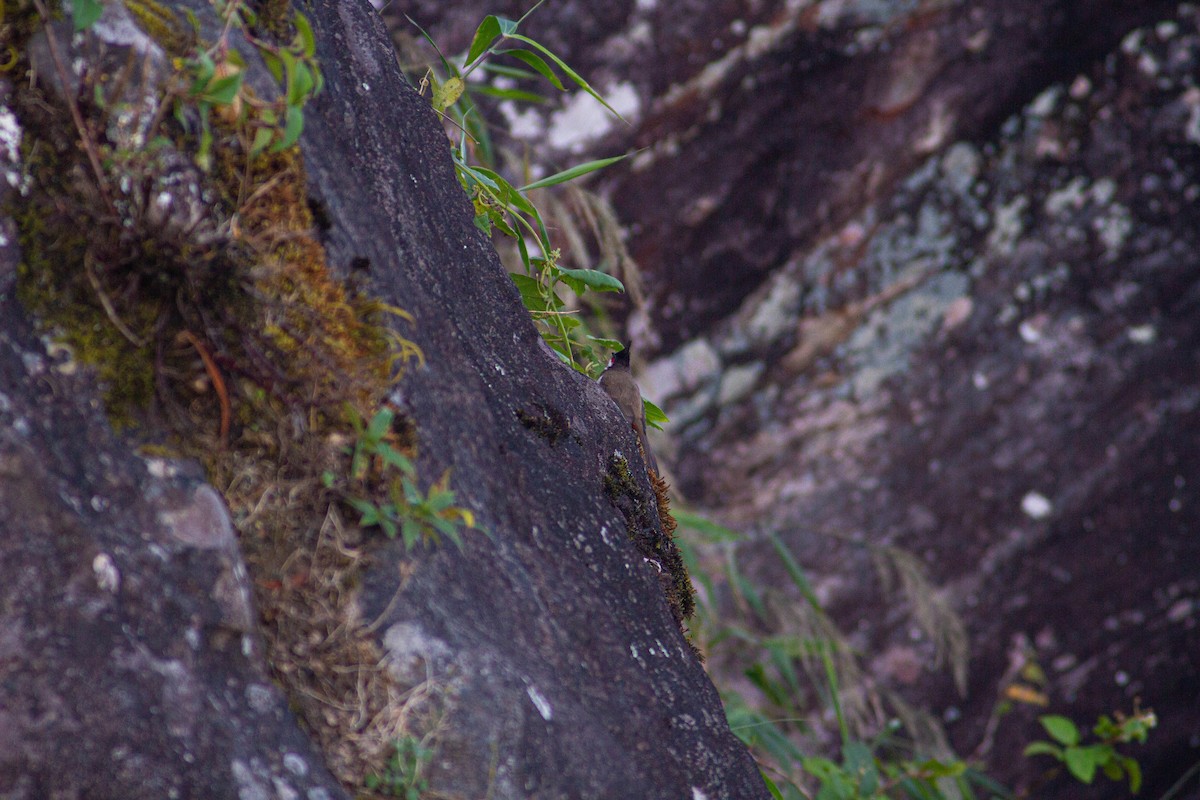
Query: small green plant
[501, 205]
[1083, 760]
[216, 83]
[402, 776]
[378, 468]
[84, 13]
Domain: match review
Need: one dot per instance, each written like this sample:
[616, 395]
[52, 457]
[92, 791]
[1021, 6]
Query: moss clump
[550, 424]
[162, 25]
[656, 544]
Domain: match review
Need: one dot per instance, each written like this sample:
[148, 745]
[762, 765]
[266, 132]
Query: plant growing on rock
[504, 206]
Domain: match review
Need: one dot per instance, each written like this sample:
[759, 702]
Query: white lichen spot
[295, 764]
[1008, 226]
[1113, 228]
[1071, 197]
[1080, 87]
[540, 702]
[1030, 331]
[192, 637]
[1043, 105]
[1191, 129]
[1180, 610]
[1132, 42]
[1142, 334]
[259, 698]
[249, 785]
[10, 147]
[107, 576]
[1104, 191]
[980, 381]
[698, 794]
[160, 468]
[1036, 505]
[284, 790]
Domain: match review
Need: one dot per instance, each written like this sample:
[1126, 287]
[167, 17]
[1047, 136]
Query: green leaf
[795, 572]
[572, 74]
[274, 65]
[709, 530]
[389, 527]
[939, 769]
[746, 588]
[448, 93]
[203, 69]
[516, 95]
[593, 279]
[304, 35]
[485, 34]
[515, 73]
[369, 511]
[1044, 749]
[222, 90]
[301, 85]
[572, 173]
[538, 64]
[85, 13]
[381, 423]
[291, 129]
[262, 138]
[410, 530]
[655, 417]
[531, 292]
[204, 149]
[453, 535]
[411, 493]
[771, 787]
[1135, 773]
[1061, 729]
[1081, 761]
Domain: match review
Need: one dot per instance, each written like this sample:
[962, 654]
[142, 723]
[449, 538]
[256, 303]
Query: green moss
[550, 424]
[273, 20]
[162, 25]
[655, 542]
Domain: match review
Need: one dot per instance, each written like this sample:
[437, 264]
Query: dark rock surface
[925, 275]
[569, 674]
[130, 665]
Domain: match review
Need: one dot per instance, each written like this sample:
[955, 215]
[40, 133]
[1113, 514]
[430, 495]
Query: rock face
[131, 665]
[925, 275]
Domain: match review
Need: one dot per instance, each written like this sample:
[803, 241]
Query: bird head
[621, 357]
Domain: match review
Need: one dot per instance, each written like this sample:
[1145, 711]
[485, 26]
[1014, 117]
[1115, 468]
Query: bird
[618, 382]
